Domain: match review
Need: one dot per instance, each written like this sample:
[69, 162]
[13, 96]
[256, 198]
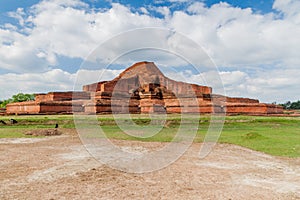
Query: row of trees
[291, 105]
[17, 98]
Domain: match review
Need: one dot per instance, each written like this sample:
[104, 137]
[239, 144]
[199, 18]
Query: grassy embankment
[273, 135]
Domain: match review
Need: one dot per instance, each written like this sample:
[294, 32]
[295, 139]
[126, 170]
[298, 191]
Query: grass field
[278, 136]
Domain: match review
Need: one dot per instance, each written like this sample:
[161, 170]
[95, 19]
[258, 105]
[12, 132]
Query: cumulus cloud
[65, 28]
[197, 8]
[267, 86]
[236, 39]
[35, 82]
[290, 8]
[52, 80]
[232, 36]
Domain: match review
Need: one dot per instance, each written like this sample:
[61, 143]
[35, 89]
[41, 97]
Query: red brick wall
[23, 108]
[185, 88]
[93, 87]
[246, 108]
[62, 96]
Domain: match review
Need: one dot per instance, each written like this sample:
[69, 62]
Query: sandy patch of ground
[60, 168]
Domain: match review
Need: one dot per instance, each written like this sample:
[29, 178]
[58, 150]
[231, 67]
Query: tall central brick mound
[141, 88]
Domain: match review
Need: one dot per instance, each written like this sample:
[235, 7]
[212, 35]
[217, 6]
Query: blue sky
[254, 44]
[257, 5]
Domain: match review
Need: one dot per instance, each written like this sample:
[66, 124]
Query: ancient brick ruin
[141, 88]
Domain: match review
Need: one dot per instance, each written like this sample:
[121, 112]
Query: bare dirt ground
[59, 167]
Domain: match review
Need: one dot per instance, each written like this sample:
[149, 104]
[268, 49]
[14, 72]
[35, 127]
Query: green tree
[295, 105]
[5, 102]
[291, 105]
[17, 98]
[22, 97]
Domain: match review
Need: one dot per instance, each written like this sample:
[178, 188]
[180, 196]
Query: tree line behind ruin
[291, 105]
[20, 97]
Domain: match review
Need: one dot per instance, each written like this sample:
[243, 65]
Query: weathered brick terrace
[141, 88]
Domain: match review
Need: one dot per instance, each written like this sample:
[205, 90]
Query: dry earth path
[59, 167]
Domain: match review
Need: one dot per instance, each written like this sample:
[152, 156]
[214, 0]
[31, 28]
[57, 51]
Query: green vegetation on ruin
[278, 136]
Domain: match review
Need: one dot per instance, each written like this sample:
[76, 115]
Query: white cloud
[19, 15]
[52, 80]
[197, 8]
[290, 8]
[65, 28]
[236, 37]
[267, 86]
[233, 37]
[144, 10]
[84, 76]
[233, 77]
[164, 10]
[35, 82]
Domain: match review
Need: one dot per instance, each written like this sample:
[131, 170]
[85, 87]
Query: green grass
[273, 135]
[13, 133]
[278, 136]
[30, 122]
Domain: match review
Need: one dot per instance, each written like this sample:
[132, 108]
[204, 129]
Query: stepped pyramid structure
[141, 88]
